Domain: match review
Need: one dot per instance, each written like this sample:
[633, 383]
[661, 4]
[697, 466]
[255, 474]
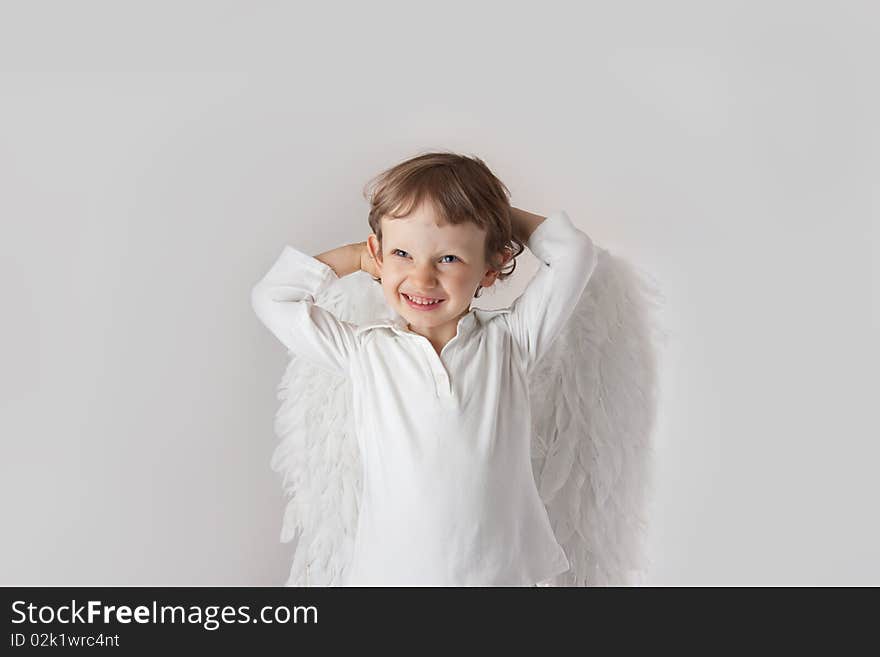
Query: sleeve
[284, 300]
[568, 258]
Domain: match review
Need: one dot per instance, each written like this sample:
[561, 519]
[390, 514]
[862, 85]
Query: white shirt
[449, 498]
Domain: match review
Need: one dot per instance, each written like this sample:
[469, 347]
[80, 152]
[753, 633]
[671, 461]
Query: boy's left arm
[568, 258]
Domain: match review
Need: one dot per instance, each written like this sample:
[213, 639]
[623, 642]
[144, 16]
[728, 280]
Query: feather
[317, 455]
[595, 395]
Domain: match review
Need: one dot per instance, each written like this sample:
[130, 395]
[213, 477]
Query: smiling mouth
[421, 306]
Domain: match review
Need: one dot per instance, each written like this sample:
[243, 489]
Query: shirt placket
[442, 381]
[443, 389]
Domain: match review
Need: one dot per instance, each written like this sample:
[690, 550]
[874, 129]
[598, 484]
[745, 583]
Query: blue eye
[395, 251]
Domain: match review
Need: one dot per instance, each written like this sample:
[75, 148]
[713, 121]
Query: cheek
[466, 277]
[391, 272]
[391, 280]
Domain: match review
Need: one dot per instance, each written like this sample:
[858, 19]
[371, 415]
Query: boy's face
[422, 258]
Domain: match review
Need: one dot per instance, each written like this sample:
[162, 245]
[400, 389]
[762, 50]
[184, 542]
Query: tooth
[423, 303]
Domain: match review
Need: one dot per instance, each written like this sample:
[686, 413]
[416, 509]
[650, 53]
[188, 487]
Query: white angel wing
[317, 455]
[593, 403]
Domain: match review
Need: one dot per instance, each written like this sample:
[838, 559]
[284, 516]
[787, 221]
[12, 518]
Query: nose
[424, 277]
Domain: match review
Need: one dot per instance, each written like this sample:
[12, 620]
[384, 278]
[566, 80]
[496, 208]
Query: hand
[367, 263]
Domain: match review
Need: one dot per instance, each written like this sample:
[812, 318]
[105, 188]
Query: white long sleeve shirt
[449, 498]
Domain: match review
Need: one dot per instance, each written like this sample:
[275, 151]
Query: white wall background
[155, 157]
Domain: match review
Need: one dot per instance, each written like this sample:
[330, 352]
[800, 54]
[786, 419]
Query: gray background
[155, 157]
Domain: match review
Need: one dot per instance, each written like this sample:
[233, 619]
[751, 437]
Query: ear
[491, 275]
[375, 250]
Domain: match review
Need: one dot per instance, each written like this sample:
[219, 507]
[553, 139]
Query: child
[440, 390]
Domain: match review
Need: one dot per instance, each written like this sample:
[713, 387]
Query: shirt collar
[397, 322]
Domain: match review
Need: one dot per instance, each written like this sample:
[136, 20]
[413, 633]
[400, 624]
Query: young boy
[440, 390]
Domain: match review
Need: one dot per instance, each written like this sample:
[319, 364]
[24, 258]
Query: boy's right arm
[284, 300]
